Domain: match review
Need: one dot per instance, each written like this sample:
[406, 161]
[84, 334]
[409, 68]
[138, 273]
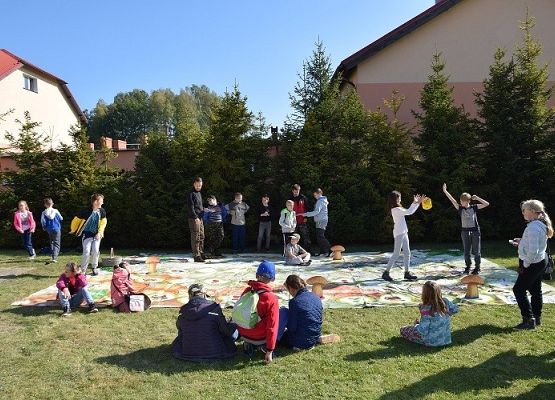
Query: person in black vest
[195, 211]
[202, 331]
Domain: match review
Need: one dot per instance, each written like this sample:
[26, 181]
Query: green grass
[114, 356]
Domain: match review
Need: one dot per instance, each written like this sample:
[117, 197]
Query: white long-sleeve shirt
[532, 245]
[400, 225]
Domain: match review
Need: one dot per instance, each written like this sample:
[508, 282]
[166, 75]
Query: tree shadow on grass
[397, 346]
[498, 372]
[33, 276]
[541, 391]
[53, 309]
[160, 360]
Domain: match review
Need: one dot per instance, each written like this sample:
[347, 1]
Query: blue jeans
[283, 317]
[76, 299]
[238, 237]
[27, 242]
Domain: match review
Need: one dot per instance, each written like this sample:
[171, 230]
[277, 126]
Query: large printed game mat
[353, 282]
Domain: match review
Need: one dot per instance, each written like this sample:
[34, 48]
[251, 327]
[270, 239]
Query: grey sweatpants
[401, 243]
[471, 244]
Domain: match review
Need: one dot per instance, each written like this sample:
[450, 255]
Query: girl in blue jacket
[434, 326]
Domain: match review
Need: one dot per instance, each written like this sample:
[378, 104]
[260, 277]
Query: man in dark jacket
[300, 207]
[202, 331]
[195, 211]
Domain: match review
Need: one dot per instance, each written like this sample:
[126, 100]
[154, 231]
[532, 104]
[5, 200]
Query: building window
[30, 83]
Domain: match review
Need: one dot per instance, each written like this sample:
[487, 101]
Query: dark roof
[348, 64]
[10, 62]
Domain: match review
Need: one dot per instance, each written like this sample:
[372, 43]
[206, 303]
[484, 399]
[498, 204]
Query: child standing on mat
[72, 290]
[24, 223]
[237, 209]
[434, 326]
[400, 232]
[51, 221]
[470, 231]
[90, 224]
[214, 217]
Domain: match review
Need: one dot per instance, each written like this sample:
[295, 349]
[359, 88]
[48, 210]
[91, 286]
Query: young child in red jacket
[267, 307]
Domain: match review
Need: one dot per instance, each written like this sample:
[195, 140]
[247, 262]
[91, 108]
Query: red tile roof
[9, 62]
[348, 64]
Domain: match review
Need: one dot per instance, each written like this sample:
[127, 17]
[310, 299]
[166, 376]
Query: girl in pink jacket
[24, 223]
[121, 287]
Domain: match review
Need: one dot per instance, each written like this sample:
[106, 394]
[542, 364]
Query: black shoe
[203, 256]
[95, 271]
[92, 308]
[198, 259]
[476, 271]
[410, 277]
[538, 320]
[526, 324]
[386, 276]
[466, 271]
[304, 264]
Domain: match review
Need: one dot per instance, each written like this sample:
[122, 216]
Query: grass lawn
[115, 356]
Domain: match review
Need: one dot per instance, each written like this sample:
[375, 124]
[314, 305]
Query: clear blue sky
[104, 47]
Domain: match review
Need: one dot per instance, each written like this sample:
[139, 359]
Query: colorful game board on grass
[353, 282]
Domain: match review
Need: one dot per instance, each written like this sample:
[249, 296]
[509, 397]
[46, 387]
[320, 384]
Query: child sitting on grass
[434, 327]
[72, 290]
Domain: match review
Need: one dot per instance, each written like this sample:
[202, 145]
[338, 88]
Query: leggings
[401, 243]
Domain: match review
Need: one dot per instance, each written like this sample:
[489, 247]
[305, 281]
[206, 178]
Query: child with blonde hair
[288, 222]
[434, 326]
[532, 262]
[72, 290]
[470, 230]
[24, 223]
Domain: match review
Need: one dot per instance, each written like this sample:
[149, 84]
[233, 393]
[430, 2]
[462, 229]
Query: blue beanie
[266, 269]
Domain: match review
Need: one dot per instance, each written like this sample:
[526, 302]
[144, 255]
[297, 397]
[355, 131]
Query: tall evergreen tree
[448, 146]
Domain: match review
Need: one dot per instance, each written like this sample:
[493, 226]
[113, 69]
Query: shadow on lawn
[397, 346]
[34, 276]
[161, 361]
[542, 391]
[498, 372]
[32, 311]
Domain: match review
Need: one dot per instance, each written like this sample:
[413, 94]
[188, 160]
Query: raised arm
[451, 198]
[483, 203]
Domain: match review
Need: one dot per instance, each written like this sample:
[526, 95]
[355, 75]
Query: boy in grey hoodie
[237, 209]
[320, 215]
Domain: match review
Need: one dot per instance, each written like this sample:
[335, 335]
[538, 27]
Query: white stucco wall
[48, 106]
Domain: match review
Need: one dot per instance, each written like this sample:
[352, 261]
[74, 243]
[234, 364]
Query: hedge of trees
[505, 154]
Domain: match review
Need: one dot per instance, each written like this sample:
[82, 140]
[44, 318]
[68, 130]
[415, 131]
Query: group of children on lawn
[203, 332]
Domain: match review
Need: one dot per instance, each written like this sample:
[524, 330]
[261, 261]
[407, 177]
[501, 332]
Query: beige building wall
[48, 106]
[467, 35]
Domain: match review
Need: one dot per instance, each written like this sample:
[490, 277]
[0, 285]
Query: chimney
[119, 145]
[105, 142]
[90, 146]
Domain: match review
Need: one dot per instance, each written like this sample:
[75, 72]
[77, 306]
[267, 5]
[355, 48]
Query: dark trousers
[238, 233]
[530, 279]
[197, 236]
[27, 241]
[302, 229]
[323, 243]
[471, 244]
[214, 236]
[264, 231]
[55, 238]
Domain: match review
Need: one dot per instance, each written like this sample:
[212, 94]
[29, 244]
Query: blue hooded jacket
[304, 324]
[51, 220]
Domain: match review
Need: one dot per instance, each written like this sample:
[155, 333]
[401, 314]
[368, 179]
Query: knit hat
[196, 289]
[266, 269]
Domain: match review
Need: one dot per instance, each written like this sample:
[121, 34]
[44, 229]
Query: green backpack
[244, 311]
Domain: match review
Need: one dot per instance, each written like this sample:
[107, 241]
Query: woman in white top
[532, 262]
[400, 232]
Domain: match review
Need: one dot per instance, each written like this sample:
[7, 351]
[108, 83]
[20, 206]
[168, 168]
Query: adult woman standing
[532, 262]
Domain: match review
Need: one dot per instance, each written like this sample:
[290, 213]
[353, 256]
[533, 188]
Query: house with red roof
[466, 32]
[26, 87]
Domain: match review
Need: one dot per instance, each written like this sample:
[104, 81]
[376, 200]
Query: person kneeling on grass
[295, 254]
[434, 327]
[304, 317]
[72, 290]
[202, 331]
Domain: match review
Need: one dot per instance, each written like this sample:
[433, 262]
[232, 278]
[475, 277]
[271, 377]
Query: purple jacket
[64, 282]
